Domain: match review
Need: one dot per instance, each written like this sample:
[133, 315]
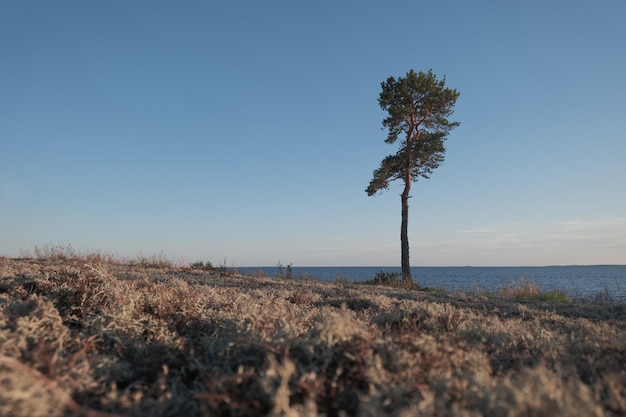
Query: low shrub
[206, 266]
[159, 260]
[389, 279]
[523, 288]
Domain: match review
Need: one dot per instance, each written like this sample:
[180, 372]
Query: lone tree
[418, 107]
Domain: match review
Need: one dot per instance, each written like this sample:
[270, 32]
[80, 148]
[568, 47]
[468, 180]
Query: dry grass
[523, 288]
[93, 338]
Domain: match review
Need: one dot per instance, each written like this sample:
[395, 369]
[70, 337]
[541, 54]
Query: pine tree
[418, 107]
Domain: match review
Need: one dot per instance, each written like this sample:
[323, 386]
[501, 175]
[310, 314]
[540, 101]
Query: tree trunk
[407, 280]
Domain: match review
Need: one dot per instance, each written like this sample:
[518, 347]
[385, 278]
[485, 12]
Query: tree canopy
[418, 107]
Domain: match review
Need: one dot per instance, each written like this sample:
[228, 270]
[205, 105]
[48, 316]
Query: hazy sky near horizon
[246, 132]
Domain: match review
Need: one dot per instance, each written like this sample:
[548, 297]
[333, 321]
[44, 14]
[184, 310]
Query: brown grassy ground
[82, 335]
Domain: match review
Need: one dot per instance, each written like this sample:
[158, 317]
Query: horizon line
[423, 266]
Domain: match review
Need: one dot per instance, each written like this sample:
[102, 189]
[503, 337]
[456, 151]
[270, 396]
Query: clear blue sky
[247, 131]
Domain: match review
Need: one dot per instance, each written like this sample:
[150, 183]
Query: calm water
[575, 280]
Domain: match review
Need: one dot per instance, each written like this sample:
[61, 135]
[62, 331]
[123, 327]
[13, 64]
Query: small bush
[389, 279]
[523, 288]
[205, 266]
[57, 252]
[154, 261]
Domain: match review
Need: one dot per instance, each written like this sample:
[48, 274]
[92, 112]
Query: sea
[605, 281]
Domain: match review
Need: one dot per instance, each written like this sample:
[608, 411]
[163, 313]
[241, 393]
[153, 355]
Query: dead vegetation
[85, 337]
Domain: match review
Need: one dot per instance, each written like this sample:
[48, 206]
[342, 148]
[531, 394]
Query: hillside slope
[95, 338]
